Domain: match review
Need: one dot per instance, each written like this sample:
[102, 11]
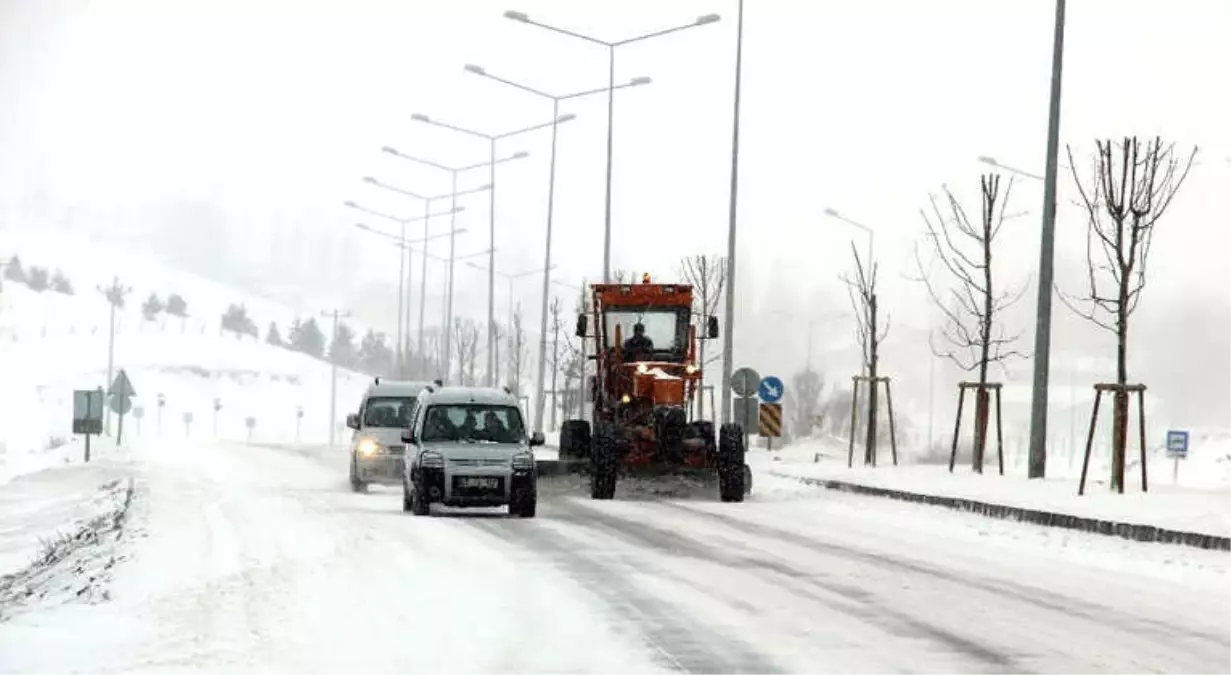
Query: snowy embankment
[1203, 506]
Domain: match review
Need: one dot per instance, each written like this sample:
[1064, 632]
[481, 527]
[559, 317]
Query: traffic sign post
[770, 389]
[138, 414]
[251, 424]
[88, 415]
[298, 421]
[121, 393]
[187, 423]
[1177, 449]
[217, 407]
[770, 422]
[162, 403]
[744, 383]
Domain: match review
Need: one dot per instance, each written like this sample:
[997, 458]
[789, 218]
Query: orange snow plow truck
[646, 378]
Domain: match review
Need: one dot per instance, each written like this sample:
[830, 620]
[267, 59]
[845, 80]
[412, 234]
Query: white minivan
[467, 446]
[377, 450]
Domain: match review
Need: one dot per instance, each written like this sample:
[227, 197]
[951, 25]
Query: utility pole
[115, 294]
[1047, 255]
[333, 374]
[728, 332]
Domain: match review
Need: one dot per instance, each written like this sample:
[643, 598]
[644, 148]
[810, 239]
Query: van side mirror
[352, 421]
[581, 325]
[537, 438]
[711, 327]
[408, 436]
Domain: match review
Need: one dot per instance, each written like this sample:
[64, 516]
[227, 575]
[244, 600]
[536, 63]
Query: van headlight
[523, 460]
[431, 460]
[367, 446]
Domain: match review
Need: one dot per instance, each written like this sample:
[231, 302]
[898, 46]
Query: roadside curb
[1135, 532]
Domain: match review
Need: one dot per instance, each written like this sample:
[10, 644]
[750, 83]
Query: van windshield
[472, 422]
[388, 412]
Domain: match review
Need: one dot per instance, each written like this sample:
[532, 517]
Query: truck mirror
[352, 421]
[408, 436]
[711, 327]
[581, 325]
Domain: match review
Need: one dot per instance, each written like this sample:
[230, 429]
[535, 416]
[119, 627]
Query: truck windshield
[663, 326]
[389, 412]
[473, 422]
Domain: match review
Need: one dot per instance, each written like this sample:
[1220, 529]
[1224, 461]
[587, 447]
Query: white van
[377, 449]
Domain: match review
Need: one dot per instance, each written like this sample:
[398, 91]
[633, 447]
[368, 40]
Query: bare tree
[708, 275]
[574, 367]
[971, 303]
[518, 351]
[1130, 188]
[862, 293]
[466, 342]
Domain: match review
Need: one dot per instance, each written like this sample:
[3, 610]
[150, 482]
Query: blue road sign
[771, 389]
[1177, 444]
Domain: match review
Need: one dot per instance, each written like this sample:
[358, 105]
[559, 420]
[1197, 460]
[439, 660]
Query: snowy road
[250, 558]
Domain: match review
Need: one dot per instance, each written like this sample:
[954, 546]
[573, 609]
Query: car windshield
[662, 327]
[471, 422]
[390, 412]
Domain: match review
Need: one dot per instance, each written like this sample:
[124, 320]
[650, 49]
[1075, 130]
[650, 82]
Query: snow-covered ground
[243, 558]
[1203, 505]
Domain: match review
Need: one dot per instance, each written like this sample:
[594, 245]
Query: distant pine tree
[272, 336]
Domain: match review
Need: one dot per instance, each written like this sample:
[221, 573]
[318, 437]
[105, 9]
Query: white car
[467, 446]
[377, 450]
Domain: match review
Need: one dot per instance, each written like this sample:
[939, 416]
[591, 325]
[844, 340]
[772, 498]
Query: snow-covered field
[1205, 509]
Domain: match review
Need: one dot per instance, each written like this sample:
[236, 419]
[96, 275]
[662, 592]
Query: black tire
[525, 505]
[406, 504]
[731, 466]
[574, 438]
[603, 463]
[356, 485]
[419, 504]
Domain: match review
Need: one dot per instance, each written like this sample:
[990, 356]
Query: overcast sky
[274, 110]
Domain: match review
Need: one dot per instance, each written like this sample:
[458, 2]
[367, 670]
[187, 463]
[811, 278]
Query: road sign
[770, 389]
[120, 405]
[745, 413]
[744, 382]
[88, 411]
[250, 422]
[217, 404]
[138, 412]
[122, 387]
[771, 420]
[1177, 444]
[187, 418]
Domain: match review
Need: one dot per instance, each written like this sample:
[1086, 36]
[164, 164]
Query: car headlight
[368, 446]
[523, 460]
[690, 369]
[431, 460]
[642, 368]
[625, 398]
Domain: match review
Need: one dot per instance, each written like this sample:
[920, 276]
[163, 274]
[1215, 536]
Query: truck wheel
[406, 503]
[574, 438]
[356, 485]
[731, 465]
[603, 464]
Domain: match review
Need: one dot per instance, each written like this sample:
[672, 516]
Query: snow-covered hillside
[51, 344]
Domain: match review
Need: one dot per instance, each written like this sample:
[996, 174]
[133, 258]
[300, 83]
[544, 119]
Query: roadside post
[769, 418]
[1177, 449]
[88, 415]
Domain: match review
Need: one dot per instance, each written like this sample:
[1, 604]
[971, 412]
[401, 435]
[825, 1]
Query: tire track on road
[1037, 597]
[683, 643]
[859, 604]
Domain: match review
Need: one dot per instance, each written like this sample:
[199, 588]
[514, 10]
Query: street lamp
[611, 86]
[546, 271]
[491, 277]
[403, 269]
[540, 395]
[453, 171]
[427, 205]
[871, 234]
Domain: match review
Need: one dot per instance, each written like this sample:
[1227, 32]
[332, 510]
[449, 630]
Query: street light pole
[611, 47]
[491, 277]
[333, 373]
[540, 396]
[453, 195]
[1042, 334]
[728, 333]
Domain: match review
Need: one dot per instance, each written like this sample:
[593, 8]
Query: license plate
[478, 482]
